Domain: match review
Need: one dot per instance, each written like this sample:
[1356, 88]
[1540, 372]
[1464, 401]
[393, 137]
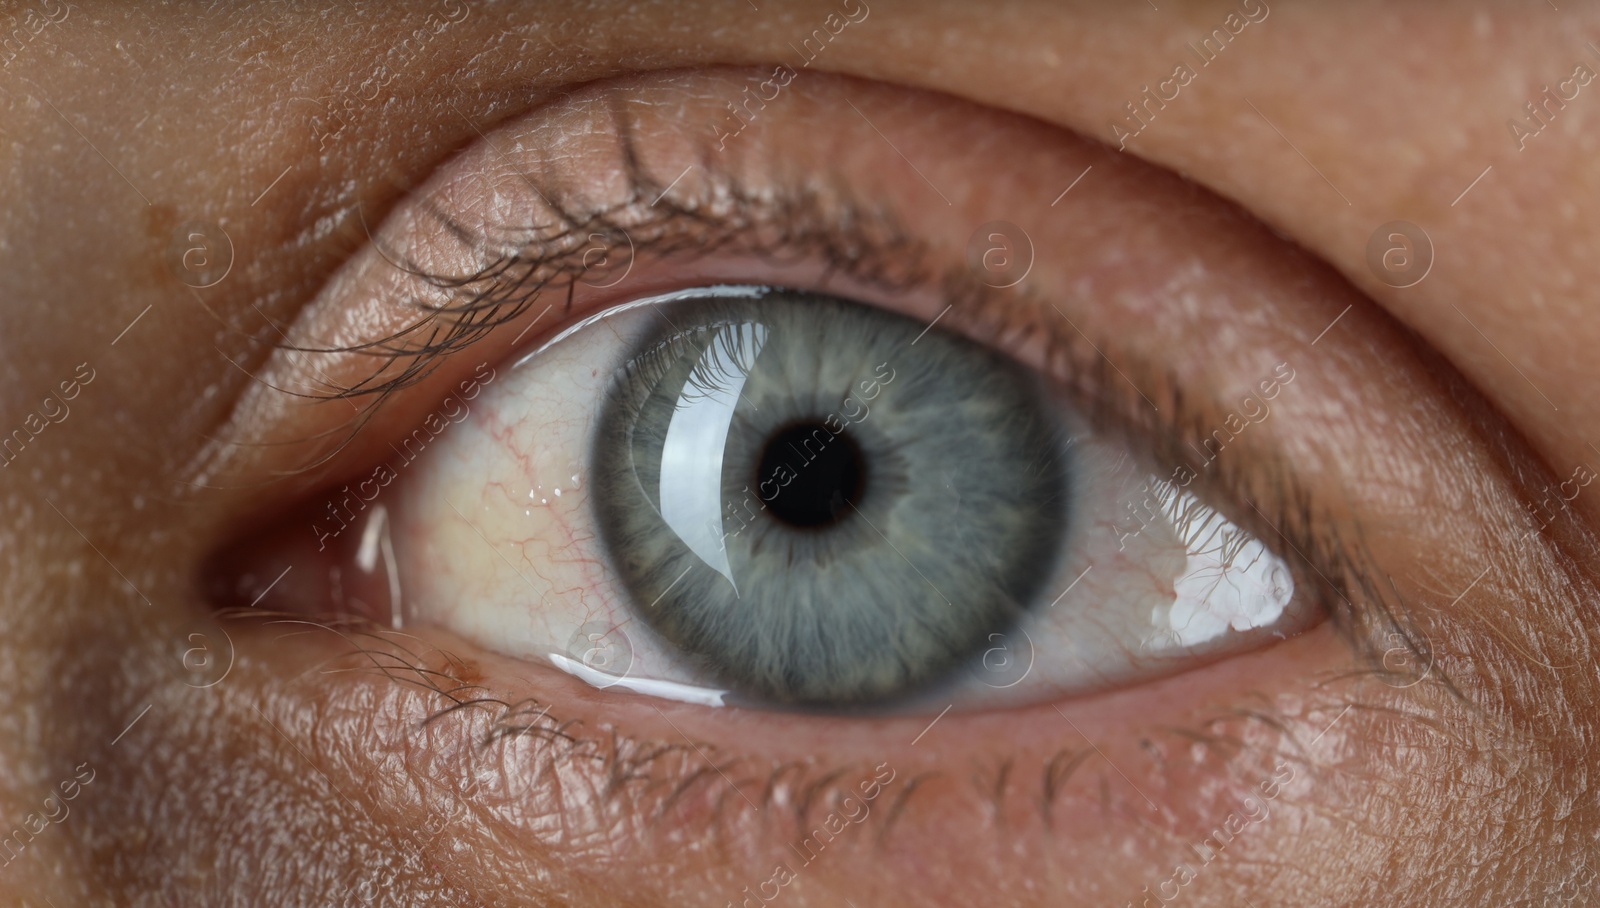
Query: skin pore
[1429, 426]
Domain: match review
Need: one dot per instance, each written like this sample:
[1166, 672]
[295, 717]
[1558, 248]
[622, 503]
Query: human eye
[800, 495]
[1127, 458]
[794, 498]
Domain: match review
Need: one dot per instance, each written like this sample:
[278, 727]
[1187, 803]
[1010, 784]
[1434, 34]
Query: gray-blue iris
[818, 502]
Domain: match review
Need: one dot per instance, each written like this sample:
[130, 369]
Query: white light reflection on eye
[731, 291]
[375, 541]
[691, 456]
[671, 690]
[1230, 580]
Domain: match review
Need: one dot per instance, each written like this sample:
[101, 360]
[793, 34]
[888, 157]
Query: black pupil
[825, 473]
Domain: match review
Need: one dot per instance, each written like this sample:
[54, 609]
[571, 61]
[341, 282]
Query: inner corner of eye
[780, 497]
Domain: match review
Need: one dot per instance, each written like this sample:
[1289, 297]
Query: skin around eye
[279, 786]
[1181, 755]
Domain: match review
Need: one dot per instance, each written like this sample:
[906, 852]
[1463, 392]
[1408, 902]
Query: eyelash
[868, 245]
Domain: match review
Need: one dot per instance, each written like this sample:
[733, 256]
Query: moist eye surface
[823, 502]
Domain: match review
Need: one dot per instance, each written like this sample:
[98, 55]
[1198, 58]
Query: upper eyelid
[865, 243]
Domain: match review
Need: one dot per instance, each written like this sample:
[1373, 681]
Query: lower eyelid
[567, 784]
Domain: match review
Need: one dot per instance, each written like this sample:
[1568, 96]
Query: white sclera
[496, 540]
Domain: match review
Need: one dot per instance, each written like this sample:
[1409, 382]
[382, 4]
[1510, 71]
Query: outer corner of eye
[782, 498]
